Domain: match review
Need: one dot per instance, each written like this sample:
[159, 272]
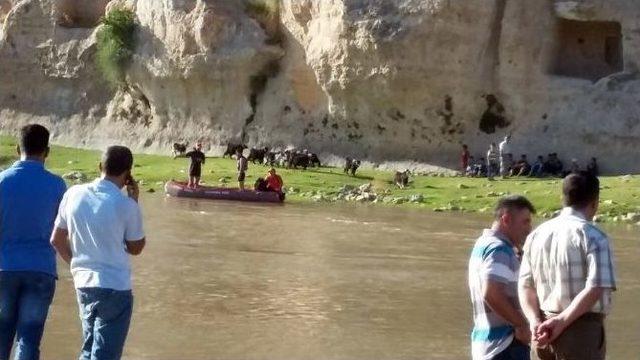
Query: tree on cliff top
[116, 43]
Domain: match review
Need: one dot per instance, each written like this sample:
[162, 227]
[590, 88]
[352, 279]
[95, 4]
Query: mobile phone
[130, 179]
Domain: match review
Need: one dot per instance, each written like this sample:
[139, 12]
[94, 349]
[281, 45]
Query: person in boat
[195, 168]
[242, 166]
[274, 181]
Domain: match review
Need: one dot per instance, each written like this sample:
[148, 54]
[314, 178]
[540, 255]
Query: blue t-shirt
[29, 200]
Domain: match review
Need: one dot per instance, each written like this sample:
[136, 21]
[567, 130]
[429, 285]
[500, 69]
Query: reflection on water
[237, 281]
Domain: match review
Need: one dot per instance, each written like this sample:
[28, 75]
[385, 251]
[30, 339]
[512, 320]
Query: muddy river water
[240, 281]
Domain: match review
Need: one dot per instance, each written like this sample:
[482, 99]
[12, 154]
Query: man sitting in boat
[243, 165]
[195, 168]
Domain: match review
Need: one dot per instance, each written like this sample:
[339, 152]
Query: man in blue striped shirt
[29, 200]
[501, 331]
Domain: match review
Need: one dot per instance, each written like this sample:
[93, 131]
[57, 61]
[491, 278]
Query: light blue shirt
[29, 199]
[100, 218]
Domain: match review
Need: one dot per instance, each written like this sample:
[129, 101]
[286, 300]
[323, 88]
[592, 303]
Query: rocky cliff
[383, 80]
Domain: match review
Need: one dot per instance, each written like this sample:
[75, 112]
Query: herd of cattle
[291, 159]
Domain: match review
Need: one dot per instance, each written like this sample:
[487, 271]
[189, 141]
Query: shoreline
[440, 192]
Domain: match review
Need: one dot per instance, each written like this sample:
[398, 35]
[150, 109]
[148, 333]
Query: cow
[257, 155]
[232, 148]
[351, 166]
[295, 159]
[179, 149]
[270, 158]
[314, 160]
[401, 178]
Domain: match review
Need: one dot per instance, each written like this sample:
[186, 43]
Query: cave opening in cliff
[587, 49]
[79, 13]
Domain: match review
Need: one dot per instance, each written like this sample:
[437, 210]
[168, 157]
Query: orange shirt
[274, 182]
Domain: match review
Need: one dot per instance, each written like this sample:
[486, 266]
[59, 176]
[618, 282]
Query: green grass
[620, 195]
[115, 45]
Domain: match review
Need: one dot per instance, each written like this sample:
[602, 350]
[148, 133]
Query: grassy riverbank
[620, 198]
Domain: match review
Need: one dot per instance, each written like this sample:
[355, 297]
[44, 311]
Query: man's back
[29, 198]
[99, 218]
[563, 256]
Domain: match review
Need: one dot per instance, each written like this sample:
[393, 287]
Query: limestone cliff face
[401, 80]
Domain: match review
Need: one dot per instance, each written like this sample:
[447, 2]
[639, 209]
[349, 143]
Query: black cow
[232, 148]
[257, 155]
[295, 159]
[314, 160]
[351, 166]
[270, 158]
[179, 149]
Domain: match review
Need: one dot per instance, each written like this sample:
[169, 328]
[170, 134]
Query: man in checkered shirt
[567, 277]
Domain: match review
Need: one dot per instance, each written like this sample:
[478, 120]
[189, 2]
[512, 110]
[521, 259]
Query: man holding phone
[96, 230]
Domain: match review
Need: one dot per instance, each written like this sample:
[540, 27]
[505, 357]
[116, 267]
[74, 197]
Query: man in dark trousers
[195, 168]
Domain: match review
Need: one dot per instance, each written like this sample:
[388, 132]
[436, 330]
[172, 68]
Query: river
[242, 281]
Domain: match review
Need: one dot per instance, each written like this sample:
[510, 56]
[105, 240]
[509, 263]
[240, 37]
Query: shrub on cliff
[267, 13]
[115, 42]
[262, 8]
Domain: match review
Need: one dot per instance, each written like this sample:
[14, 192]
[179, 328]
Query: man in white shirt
[96, 230]
[506, 156]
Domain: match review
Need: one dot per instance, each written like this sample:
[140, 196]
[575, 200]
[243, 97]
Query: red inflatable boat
[180, 189]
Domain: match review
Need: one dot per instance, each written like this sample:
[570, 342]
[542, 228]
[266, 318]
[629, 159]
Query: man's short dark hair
[116, 160]
[512, 203]
[580, 188]
[34, 140]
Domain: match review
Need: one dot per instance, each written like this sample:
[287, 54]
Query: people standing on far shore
[464, 159]
[506, 156]
[493, 161]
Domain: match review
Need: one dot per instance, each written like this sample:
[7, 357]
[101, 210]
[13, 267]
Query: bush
[267, 13]
[115, 42]
[262, 8]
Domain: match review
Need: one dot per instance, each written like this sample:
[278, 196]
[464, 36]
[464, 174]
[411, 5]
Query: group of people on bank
[93, 227]
[500, 161]
[548, 289]
[271, 182]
